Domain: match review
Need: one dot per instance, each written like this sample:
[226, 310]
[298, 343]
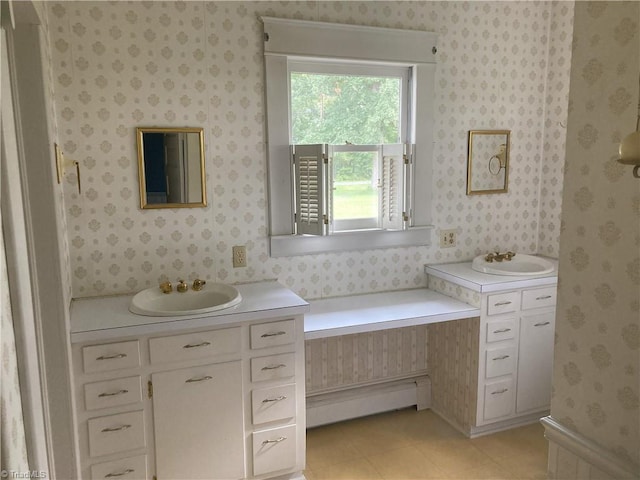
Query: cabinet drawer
[498, 330]
[500, 361]
[271, 404]
[272, 334]
[498, 399]
[127, 468]
[274, 450]
[273, 367]
[539, 297]
[116, 433]
[191, 346]
[120, 391]
[502, 303]
[112, 356]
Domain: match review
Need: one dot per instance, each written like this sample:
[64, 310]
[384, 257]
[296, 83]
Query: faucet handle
[198, 284]
[182, 286]
[166, 287]
[509, 255]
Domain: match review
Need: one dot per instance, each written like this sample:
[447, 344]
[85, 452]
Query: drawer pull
[196, 345]
[502, 330]
[277, 399]
[502, 357]
[277, 440]
[199, 379]
[120, 474]
[501, 304]
[113, 394]
[543, 297]
[112, 357]
[500, 392]
[274, 334]
[541, 324]
[274, 367]
[115, 429]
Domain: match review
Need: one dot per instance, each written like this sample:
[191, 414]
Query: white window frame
[286, 41]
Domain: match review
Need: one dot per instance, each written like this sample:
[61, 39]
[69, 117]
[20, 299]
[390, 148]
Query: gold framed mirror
[171, 167]
[488, 162]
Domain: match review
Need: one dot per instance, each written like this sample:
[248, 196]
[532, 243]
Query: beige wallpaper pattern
[120, 65]
[364, 358]
[597, 354]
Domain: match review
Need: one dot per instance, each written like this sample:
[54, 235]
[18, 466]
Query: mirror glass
[488, 162]
[171, 167]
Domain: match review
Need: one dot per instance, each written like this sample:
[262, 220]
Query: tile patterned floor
[411, 445]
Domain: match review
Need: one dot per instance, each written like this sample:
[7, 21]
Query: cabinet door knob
[543, 297]
[499, 392]
[500, 304]
[541, 324]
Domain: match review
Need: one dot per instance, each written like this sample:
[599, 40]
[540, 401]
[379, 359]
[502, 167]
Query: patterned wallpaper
[365, 358]
[555, 124]
[597, 354]
[119, 65]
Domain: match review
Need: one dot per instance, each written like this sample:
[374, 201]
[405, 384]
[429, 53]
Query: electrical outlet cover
[448, 238]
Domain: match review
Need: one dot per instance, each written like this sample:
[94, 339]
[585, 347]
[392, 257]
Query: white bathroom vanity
[219, 395]
[498, 368]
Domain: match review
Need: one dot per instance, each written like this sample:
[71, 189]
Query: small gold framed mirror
[488, 162]
[171, 167]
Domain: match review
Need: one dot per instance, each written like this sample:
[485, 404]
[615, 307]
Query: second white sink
[213, 297]
[521, 265]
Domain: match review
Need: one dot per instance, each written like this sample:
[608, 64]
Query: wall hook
[62, 163]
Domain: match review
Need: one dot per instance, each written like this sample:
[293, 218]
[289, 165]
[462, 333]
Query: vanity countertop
[100, 318]
[330, 317]
[462, 274]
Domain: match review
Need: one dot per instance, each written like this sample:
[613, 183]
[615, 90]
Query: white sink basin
[520, 265]
[213, 297]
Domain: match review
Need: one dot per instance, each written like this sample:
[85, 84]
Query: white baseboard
[367, 400]
[573, 456]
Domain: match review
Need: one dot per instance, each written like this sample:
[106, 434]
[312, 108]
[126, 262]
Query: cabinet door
[535, 362]
[199, 429]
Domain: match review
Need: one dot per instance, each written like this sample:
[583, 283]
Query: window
[349, 131]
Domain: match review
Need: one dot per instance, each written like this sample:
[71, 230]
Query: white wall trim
[586, 450]
[294, 40]
[291, 245]
[27, 59]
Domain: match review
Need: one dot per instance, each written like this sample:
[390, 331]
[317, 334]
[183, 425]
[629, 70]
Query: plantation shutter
[310, 177]
[393, 182]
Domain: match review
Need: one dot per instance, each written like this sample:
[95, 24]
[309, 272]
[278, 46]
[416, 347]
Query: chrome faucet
[198, 284]
[182, 286]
